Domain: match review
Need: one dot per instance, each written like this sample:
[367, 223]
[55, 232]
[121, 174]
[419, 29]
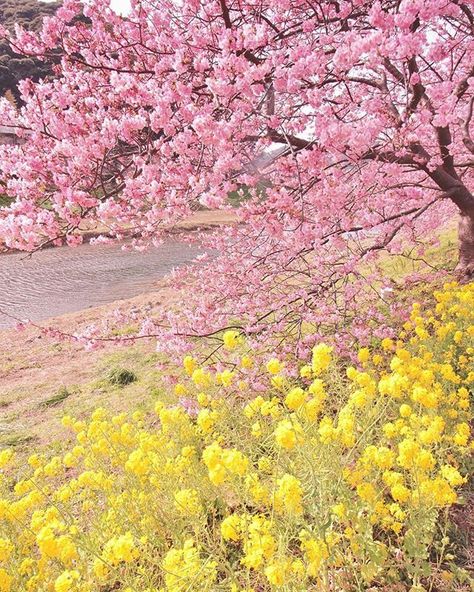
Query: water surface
[64, 279]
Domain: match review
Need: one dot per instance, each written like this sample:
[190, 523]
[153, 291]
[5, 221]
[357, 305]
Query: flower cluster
[338, 479]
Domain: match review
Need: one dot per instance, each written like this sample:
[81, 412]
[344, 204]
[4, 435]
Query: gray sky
[120, 5]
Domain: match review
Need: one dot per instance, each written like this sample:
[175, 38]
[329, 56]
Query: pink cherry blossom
[335, 131]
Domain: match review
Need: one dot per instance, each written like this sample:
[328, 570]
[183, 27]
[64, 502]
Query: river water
[64, 279]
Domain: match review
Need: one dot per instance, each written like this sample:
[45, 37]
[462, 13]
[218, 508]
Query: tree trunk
[464, 199]
[466, 247]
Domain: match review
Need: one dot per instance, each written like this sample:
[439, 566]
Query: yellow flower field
[339, 480]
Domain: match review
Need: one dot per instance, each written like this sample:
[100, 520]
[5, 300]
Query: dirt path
[201, 220]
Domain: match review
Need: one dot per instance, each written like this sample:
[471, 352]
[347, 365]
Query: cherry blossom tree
[333, 128]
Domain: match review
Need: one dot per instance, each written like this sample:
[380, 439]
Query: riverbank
[41, 379]
[199, 221]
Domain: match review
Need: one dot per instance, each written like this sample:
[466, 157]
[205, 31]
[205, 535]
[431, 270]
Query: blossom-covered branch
[317, 119]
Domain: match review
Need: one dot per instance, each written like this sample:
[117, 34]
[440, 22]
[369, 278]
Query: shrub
[121, 376]
[336, 480]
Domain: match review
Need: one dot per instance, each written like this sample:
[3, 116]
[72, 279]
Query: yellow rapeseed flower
[231, 339]
[274, 366]
[321, 358]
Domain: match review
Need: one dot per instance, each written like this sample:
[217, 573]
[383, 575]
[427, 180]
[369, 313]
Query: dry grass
[41, 380]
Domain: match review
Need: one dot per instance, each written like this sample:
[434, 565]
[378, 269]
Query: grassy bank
[40, 380]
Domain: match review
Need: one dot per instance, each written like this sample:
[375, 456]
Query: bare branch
[467, 140]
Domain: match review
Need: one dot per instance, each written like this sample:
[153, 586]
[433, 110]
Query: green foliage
[5, 200]
[61, 395]
[17, 440]
[121, 376]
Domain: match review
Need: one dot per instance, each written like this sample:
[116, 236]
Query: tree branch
[467, 140]
[225, 14]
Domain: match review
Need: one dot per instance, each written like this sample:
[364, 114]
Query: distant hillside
[14, 67]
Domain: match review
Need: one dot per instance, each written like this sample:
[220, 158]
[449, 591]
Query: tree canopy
[346, 127]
